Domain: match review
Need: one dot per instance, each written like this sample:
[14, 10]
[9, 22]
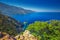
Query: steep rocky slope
[9, 25]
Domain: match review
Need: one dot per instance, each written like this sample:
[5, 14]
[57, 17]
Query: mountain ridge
[9, 9]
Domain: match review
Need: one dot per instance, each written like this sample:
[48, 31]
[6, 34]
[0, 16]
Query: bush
[49, 30]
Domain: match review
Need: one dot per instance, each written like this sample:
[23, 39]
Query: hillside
[10, 25]
[49, 30]
[8, 9]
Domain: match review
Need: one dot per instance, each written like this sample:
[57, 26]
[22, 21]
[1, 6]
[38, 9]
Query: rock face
[9, 25]
[26, 36]
[5, 36]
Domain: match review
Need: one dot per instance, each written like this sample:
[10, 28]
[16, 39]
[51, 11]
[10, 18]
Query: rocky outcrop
[5, 36]
[26, 36]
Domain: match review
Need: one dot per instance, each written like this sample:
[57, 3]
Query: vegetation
[49, 30]
[9, 25]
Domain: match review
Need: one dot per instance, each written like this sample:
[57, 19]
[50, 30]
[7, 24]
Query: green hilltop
[49, 30]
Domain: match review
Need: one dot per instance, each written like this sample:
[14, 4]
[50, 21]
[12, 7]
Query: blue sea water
[37, 16]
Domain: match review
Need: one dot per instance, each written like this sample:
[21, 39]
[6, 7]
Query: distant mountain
[8, 9]
[10, 25]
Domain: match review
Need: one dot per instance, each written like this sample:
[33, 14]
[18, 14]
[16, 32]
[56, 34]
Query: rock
[26, 36]
[6, 36]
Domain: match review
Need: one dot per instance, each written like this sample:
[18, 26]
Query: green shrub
[49, 30]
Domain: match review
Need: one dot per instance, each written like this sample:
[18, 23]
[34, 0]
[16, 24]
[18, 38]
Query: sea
[37, 16]
[29, 18]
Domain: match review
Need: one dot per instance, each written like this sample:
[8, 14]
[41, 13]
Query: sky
[36, 5]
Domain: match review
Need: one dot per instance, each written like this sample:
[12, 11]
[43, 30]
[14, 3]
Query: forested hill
[9, 25]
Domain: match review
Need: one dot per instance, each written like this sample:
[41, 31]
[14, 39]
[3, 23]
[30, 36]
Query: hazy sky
[36, 5]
